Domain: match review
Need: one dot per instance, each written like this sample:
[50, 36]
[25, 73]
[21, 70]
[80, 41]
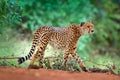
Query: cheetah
[65, 38]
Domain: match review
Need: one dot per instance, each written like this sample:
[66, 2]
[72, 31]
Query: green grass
[105, 61]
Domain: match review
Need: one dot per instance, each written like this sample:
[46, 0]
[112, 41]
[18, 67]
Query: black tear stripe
[74, 48]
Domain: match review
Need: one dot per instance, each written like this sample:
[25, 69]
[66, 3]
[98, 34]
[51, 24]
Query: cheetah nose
[92, 30]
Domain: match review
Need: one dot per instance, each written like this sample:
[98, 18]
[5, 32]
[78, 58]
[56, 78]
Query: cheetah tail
[23, 59]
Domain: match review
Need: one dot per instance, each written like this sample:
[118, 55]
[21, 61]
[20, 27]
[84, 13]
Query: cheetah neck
[83, 31]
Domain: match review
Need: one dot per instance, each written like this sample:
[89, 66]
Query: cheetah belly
[57, 44]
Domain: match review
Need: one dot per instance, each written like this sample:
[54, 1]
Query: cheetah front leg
[81, 64]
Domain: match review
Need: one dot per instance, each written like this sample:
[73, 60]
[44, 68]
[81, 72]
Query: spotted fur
[59, 38]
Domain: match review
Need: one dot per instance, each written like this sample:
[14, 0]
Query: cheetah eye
[88, 26]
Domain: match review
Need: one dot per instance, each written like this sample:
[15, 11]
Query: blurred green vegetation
[19, 19]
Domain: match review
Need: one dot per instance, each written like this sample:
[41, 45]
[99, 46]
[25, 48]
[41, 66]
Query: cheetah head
[87, 27]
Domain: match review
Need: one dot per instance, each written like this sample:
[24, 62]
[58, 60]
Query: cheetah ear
[82, 23]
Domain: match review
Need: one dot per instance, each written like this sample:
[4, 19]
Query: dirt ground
[7, 73]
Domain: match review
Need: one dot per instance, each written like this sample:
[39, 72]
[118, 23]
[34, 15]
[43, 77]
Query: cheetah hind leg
[32, 66]
[40, 60]
[39, 57]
